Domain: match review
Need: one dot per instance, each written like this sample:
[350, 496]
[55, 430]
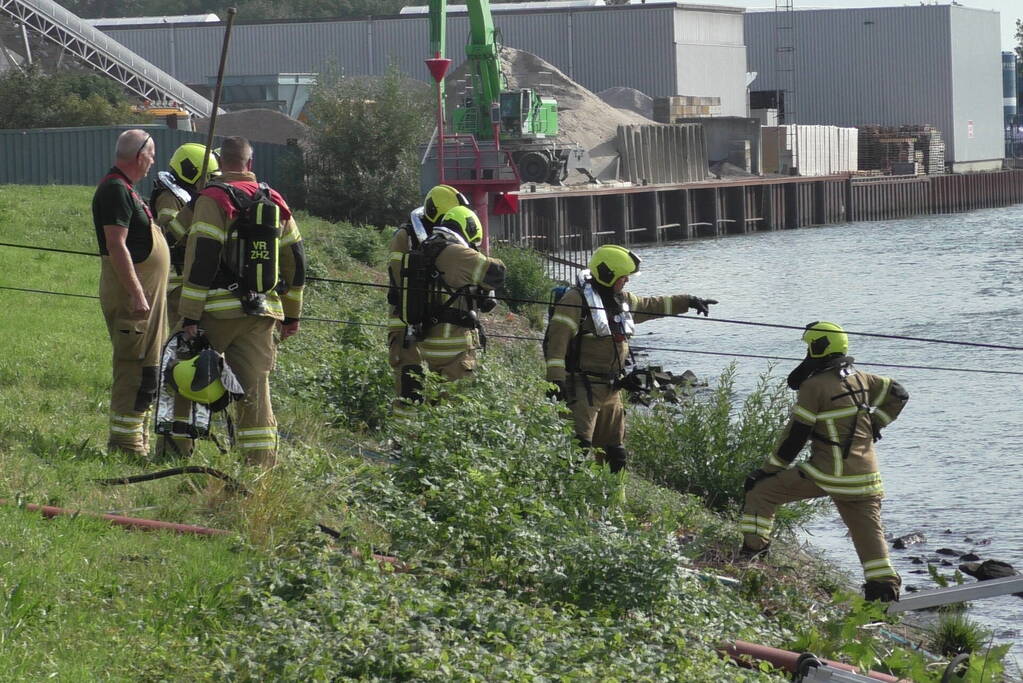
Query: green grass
[518, 560]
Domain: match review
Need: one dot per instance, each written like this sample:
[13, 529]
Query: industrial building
[660, 48]
[892, 66]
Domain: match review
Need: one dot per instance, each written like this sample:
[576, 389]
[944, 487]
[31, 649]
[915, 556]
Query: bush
[526, 281]
[707, 445]
[34, 99]
[363, 164]
[365, 243]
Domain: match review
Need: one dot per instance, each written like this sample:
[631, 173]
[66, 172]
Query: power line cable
[634, 347]
[876, 335]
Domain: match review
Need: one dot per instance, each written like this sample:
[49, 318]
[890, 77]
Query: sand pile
[630, 99]
[262, 125]
[583, 118]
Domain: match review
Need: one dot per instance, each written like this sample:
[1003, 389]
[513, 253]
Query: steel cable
[634, 347]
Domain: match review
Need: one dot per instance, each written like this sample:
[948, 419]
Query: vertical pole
[231, 12]
[481, 206]
[440, 131]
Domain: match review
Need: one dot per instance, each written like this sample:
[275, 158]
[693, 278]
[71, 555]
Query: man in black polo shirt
[132, 290]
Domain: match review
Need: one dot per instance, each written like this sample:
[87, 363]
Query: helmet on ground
[463, 221]
[440, 200]
[186, 162]
[198, 378]
[610, 262]
[825, 339]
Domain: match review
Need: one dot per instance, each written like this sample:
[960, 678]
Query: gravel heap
[583, 118]
[261, 125]
[630, 99]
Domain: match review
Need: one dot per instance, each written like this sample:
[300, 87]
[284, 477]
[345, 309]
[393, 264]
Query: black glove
[754, 477]
[487, 302]
[557, 391]
[701, 305]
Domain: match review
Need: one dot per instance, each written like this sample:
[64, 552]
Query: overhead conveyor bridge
[103, 53]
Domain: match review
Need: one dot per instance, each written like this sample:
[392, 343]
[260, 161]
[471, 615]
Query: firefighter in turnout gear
[244, 275]
[403, 348]
[132, 290]
[462, 283]
[174, 192]
[842, 411]
[586, 346]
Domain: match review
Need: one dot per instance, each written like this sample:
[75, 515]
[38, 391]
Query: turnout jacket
[459, 266]
[598, 356]
[173, 217]
[842, 411]
[210, 229]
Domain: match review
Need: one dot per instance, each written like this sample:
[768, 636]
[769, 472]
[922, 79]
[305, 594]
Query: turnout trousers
[136, 346]
[599, 417]
[862, 516]
[250, 350]
[407, 364]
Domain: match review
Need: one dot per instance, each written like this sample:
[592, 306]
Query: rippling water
[954, 459]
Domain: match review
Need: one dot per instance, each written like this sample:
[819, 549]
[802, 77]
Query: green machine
[526, 121]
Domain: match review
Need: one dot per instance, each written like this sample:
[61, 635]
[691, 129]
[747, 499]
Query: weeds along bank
[519, 561]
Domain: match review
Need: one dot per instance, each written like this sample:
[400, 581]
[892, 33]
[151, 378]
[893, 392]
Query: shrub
[363, 164]
[34, 99]
[527, 280]
[365, 243]
[708, 444]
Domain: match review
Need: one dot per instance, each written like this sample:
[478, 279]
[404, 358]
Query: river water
[954, 459]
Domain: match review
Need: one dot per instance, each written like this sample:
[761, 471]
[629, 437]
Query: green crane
[527, 122]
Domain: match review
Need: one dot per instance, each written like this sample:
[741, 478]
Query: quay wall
[569, 224]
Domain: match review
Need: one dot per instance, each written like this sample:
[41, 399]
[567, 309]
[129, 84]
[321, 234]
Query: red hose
[49, 511]
[741, 651]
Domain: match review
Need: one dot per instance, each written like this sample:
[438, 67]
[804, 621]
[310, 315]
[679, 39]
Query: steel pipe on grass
[742, 651]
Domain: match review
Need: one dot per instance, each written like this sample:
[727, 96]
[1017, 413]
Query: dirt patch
[261, 125]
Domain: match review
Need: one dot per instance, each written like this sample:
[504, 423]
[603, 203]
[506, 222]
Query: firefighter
[841, 410]
[464, 288]
[403, 349]
[173, 193]
[243, 278]
[586, 347]
[132, 290]
[172, 200]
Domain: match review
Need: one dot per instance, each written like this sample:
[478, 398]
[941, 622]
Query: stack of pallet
[671, 109]
[911, 149]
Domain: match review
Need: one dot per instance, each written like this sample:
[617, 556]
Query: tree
[363, 161]
[34, 99]
[1019, 39]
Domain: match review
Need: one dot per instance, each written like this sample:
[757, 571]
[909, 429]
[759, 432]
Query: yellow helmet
[198, 378]
[440, 200]
[186, 162]
[465, 222]
[825, 339]
[610, 262]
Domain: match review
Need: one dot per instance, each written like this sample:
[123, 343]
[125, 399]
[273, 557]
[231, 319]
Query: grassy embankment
[519, 562]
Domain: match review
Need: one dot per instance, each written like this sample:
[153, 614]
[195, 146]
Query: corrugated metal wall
[890, 66]
[977, 113]
[632, 46]
[81, 156]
